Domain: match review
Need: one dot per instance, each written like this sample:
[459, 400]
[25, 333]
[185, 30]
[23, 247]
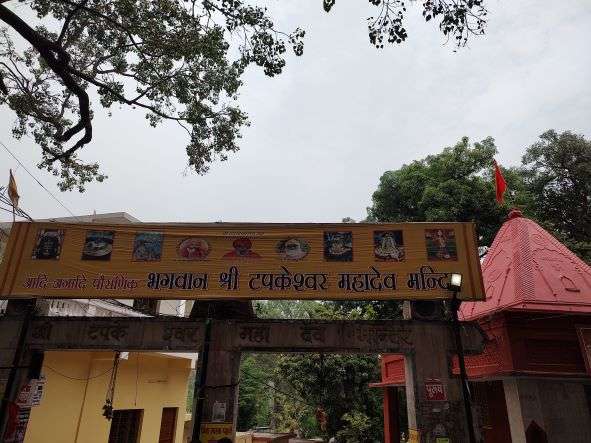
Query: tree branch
[122, 98]
[57, 59]
[68, 19]
[3, 87]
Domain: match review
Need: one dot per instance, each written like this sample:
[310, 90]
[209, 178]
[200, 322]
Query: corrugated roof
[528, 269]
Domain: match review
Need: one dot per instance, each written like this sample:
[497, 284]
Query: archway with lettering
[405, 261]
[221, 264]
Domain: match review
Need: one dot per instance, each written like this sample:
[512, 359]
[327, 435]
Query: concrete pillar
[514, 413]
[430, 363]
[220, 394]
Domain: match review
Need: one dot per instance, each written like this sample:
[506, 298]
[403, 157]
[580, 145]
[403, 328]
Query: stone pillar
[430, 364]
[220, 393]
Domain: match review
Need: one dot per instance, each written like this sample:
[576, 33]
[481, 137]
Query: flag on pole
[13, 191]
[500, 182]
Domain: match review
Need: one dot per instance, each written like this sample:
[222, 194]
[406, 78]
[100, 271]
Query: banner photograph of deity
[388, 245]
[147, 246]
[49, 244]
[441, 244]
[207, 261]
[98, 245]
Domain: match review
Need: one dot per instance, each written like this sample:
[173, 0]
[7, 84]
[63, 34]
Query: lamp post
[455, 285]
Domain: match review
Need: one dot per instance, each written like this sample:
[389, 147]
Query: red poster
[435, 390]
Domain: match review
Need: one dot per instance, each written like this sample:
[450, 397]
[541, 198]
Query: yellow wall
[144, 381]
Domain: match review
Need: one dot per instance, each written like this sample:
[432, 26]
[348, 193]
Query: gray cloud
[324, 131]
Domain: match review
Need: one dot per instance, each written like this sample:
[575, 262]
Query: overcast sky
[325, 130]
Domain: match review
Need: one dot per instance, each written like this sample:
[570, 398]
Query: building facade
[149, 400]
[149, 395]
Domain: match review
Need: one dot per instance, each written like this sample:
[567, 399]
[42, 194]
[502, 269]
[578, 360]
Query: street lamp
[455, 285]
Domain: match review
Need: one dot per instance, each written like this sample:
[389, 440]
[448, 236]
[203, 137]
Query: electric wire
[38, 182]
[17, 211]
[76, 378]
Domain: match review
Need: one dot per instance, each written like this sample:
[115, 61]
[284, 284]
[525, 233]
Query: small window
[125, 426]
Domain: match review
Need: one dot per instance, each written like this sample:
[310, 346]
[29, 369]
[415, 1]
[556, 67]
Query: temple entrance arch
[220, 264]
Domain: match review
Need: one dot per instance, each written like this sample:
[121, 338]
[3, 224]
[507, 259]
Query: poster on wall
[343, 261]
[214, 432]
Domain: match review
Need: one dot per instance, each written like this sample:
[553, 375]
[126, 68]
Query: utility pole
[462, 363]
[200, 380]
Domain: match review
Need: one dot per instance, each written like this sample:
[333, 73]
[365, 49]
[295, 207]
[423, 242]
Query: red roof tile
[527, 269]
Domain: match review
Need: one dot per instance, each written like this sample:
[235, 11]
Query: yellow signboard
[352, 261]
[214, 432]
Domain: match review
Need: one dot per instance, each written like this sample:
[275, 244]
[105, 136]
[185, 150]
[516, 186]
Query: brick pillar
[430, 361]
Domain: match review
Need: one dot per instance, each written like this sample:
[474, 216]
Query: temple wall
[559, 408]
[565, 411]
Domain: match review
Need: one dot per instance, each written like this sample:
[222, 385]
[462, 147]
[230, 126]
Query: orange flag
[13, 191]
[500, 182]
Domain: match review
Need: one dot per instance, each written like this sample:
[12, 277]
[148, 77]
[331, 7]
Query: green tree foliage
[457, 19]
[172, 59]
[296, 309]
[254, 398]
[358, 428]
[301, 383]
[454, 185]
[341, 388]
[552, 186]
[178, 61]
[190, 390]
[557, 172]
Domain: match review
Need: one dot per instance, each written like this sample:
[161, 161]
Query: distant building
[150, 393]
[533, 382]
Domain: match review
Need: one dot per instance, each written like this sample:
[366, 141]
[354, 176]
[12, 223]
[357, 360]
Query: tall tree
[340, 382]
[455, 185]
[254, 398]
[179, 61]
[341, 389]
[557, 172]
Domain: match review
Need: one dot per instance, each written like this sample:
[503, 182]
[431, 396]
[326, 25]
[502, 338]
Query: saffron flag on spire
[13, 191]
[500, 183]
